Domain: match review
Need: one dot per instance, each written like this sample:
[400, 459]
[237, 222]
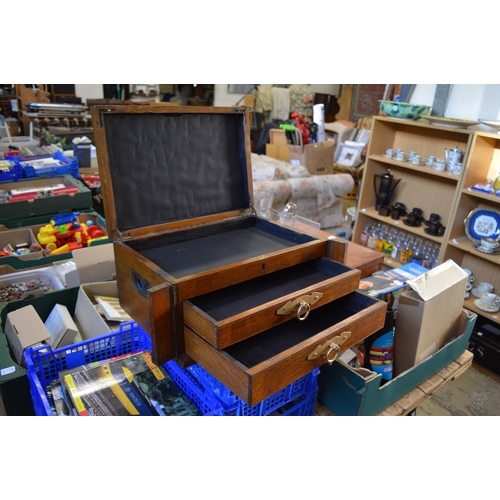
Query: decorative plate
[481, 223]
[490, 123]
[448, 122]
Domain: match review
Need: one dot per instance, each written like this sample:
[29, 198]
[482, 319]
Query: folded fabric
[281, 104]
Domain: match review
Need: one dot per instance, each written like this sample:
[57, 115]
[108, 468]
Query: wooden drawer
[232, 314]
[263, 364]
[153, 284]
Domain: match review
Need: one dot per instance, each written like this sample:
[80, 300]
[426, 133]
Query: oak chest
[258, 304]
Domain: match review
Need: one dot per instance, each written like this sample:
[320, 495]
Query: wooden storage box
[176, 186]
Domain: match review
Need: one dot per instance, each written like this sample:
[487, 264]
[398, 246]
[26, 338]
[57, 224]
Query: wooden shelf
[435, 192]
[422, 169]
[419, 231]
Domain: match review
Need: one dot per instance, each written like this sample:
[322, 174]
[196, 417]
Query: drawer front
[261, 365]
[232, 314]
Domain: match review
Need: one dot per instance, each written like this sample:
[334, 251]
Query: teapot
[385, 190]
[453, 155]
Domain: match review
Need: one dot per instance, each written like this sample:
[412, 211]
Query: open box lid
[164, 164]
[437, 280]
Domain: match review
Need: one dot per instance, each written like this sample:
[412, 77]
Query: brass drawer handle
[302, 305]
[301, 316]
[330, 348]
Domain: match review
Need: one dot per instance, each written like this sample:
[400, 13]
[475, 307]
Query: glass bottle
[417, 256]
[406, 250]
[397, 247]
[363, 239]
[389, 242]
[381, 239]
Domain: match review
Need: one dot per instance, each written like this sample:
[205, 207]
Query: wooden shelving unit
[483, 165]
[435, 192]
[420, 186]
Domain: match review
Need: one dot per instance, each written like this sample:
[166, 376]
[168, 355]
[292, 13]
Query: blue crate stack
[210, 396]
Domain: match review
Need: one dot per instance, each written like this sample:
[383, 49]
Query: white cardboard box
[24, 328]
[96, 263]
[61, 326]
[428, 314]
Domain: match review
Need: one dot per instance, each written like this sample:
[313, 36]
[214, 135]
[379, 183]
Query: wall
[223, 98]
[466, 101]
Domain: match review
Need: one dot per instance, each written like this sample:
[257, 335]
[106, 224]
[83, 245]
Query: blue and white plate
[481, 223]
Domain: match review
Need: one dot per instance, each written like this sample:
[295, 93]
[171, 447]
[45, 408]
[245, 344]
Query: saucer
[479, 247]
[490, 309]
[405, 221]
[428, 231]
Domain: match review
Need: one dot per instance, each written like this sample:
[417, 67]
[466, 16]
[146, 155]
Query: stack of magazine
[122, 386]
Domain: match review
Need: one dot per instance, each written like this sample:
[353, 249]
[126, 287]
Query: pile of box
[432, 329]
[60, 275]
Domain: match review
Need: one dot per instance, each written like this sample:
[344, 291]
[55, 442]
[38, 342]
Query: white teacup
[468, 287]
[489, 243]
[415, 159]
[400, 155]
[483, 288]
[439, 164]
[430, 161]
[489, 300]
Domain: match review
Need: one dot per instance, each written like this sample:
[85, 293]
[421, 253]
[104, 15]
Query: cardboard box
[92, 264]
[279, 152]
[316, 157]
[389, 285]
[61, 326]
[24, 328]
[14, 384]
[428, 314]
[348, 391]
[16, 237]
[91, 323]
[49, 204]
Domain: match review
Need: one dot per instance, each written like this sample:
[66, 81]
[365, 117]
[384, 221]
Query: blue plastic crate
[70, 167]
[305, 406]
[44, 364]
[13, 173]
[233, 405]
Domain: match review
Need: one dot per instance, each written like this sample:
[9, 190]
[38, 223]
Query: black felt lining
[259, 348]
[174, 166]
[211, 252]
[211, 246]
[239, 298]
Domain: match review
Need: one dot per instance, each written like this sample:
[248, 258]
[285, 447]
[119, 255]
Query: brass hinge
[330, 348]
[123, 236]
